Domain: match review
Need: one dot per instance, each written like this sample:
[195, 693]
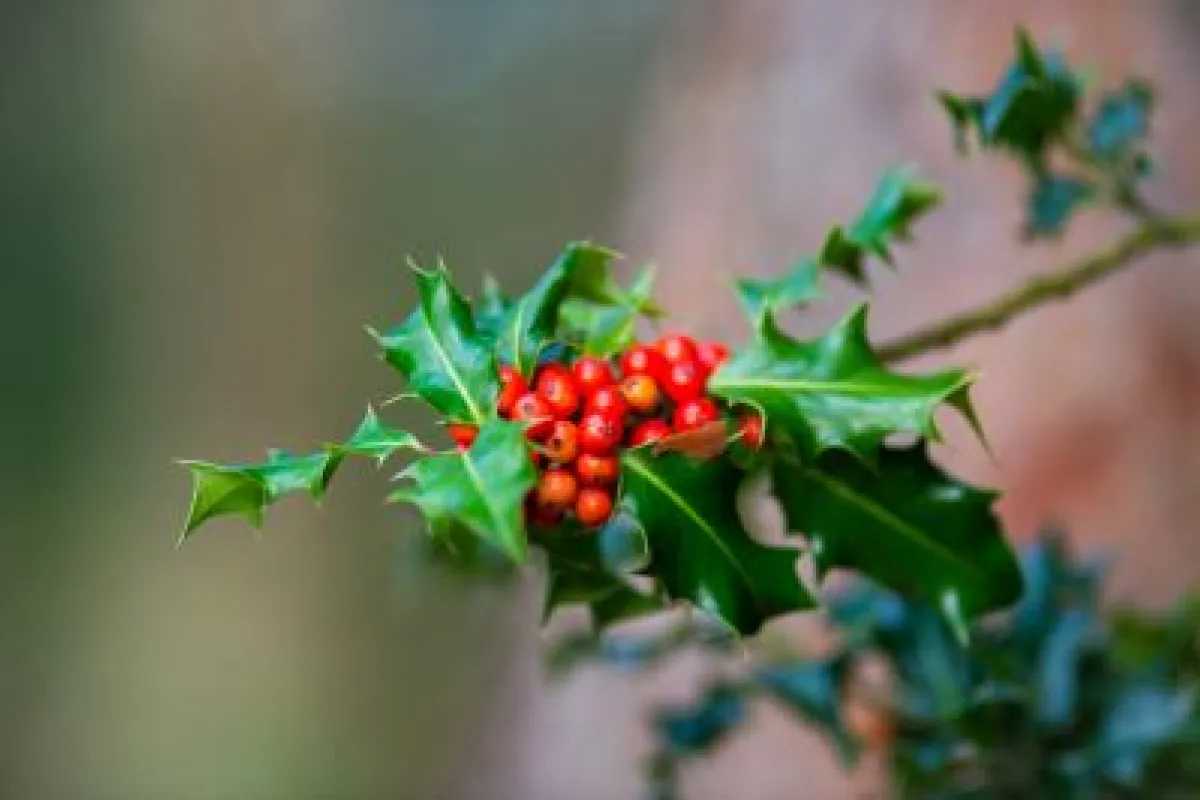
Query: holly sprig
[653, 520]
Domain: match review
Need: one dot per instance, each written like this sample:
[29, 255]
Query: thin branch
[1168, 232]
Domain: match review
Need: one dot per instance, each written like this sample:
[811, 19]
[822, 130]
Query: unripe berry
[640, 393]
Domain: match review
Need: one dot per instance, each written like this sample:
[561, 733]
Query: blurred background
[205, 201]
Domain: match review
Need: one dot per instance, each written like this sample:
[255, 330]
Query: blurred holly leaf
[1053, 200]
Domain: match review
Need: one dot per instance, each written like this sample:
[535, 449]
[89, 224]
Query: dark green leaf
[698, 727]
[1144, 717]
[1074, 635]
[441, 354]
[582, 572]
[580, 270]
[605, 327]
[905, 524]
[1052, 202]
[698, 545]
[795, 289]
[833, 392]
[1121, 121]
[1031, 108]
[482, 489]
[899, 200]
[813, 690]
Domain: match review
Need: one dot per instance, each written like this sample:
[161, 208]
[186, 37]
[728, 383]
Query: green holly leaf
[899, 200]
[1052, 202]
[482, 489]
[245, 490]
[833, 392]
[373, 439]
[794, 289]
[1121, 121]
[580, 270]
[585, 569]
[696, 728]
[813, 691]
[904, 524]
[608, 326]
[491, 309]
[699, 548]
[1031, 108]
[441, 354]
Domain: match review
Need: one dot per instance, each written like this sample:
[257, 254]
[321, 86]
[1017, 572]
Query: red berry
[750, 426]
[677, 348]
[593, 506]
[592, 373]
[462, 433]
[512, 386]
[711, 355]
[599, 434]
[652, 430]
[557, 488]
[642, 359]
[607, 400]
[556, 386]
[563, 442]
[684, 381]
[597, 470]
[533, 409]
[695, 414]
[640, 392]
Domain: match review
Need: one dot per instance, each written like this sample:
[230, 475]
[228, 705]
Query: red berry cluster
[580, 415]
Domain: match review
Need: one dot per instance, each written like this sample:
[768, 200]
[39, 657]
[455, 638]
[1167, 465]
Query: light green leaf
[441, 354]
[482, 489]
[699, 548]
[899, 200]
[246, 490]
[603, 328]
[794, 289]
[833, 392]
[374, 439]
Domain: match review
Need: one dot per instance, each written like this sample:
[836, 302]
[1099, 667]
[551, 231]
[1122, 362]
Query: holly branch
[1173, 232]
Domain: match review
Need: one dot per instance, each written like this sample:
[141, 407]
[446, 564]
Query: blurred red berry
[695, 414]
[592, 373]
[652, 430]
[607, 400]
[562, 444]
[537, 514]
[642, 359]
[677, 348]
[599, 434]
[512, 386]
[684, 381]
[557, 488]
[597, 470]
[555, 385]
[531, 408]
[711, 355]
[641, 393]
[463, 434]
[593, 506]
[750, 426]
